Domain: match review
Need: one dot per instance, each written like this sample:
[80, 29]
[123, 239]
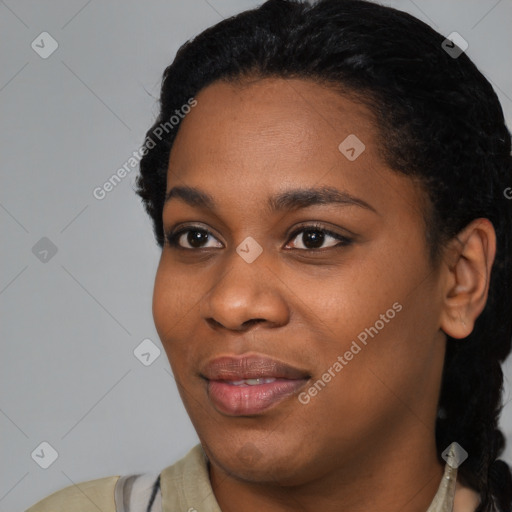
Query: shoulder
[187, 483]
[184, 482]
[89, 496]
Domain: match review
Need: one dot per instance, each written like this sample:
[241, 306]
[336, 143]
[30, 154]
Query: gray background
[70, 324]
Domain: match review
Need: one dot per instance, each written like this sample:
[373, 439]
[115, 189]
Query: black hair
[440, 122]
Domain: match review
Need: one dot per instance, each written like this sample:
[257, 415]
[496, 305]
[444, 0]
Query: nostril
[213, 322]
[248, 323]
[243, 327]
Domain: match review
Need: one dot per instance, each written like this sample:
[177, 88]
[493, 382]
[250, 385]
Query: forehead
[255, 126]
[277, 110]
[253, 138]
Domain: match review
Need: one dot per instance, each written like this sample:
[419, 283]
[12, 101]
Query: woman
[328, 186]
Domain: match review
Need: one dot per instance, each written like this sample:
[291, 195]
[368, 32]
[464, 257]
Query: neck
[396, 476]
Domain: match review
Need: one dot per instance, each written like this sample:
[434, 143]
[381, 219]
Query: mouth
[248, 385]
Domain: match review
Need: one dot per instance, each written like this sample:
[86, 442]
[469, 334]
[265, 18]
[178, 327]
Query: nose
[245, 294]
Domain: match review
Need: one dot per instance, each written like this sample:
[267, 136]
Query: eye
[195, 236]
[314, 235]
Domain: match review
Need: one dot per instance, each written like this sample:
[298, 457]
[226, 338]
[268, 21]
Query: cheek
[369, 303]
[172, 304]
[162, 302]
[347, 301]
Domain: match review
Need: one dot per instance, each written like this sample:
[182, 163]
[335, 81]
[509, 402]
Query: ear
[467, 270]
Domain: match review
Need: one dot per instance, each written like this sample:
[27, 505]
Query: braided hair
[440, 122]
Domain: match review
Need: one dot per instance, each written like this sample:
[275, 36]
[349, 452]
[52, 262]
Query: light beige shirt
[185, 487]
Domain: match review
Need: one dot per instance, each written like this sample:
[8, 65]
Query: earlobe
[470, 256]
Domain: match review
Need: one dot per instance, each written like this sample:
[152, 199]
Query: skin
[366, 440]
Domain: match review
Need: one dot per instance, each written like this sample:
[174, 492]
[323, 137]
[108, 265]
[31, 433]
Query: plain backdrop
[77, 273]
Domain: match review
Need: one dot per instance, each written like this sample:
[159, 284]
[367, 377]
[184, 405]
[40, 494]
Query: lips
[248, 385]
[250, 367]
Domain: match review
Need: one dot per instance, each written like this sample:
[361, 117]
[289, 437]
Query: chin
[261, 463]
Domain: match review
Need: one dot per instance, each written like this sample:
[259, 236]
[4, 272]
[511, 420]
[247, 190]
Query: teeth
[251, 382]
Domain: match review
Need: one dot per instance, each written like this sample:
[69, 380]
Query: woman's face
[357, 317]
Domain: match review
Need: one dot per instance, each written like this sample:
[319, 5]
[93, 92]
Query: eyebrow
[293, 199]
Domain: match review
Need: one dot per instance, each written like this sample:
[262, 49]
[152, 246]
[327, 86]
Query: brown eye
[313, 237]
[194, 236]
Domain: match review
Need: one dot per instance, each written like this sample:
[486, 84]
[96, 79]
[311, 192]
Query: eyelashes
[173, 238]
